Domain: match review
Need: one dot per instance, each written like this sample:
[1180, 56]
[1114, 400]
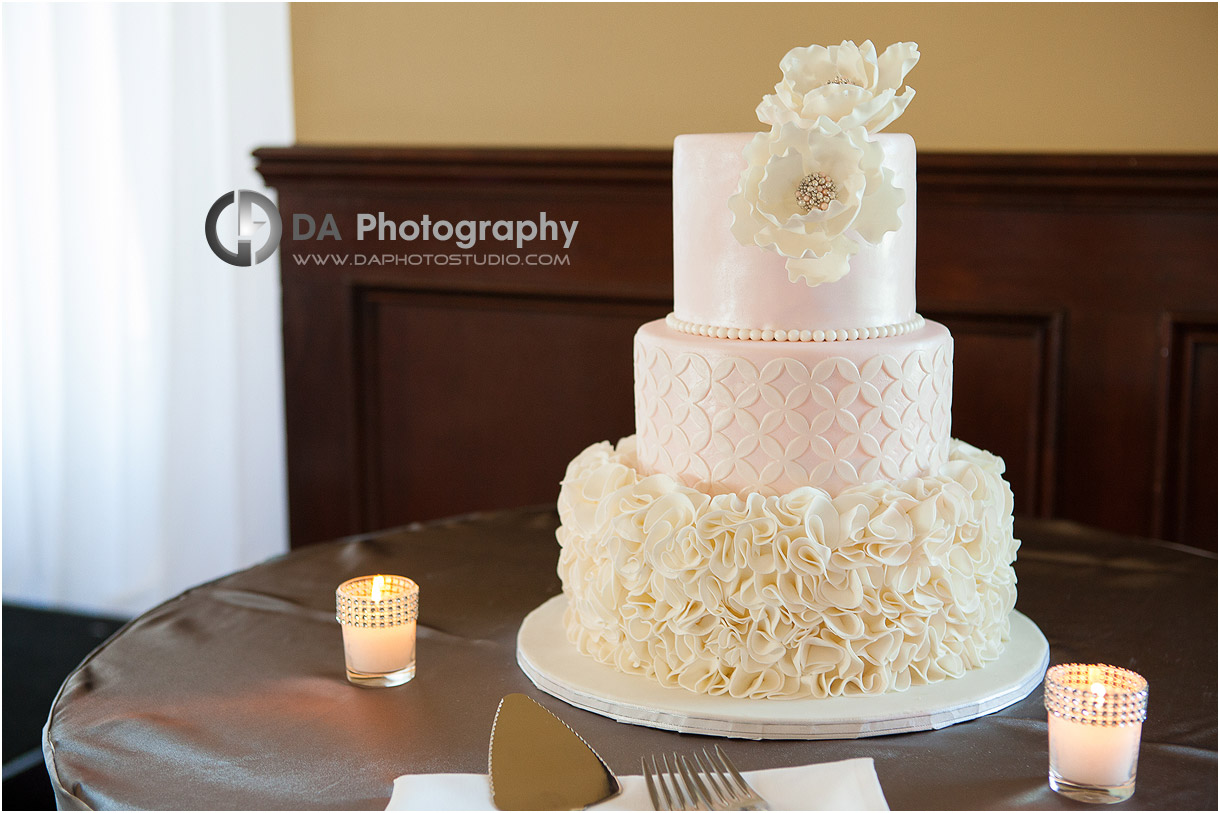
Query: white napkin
[848, 785]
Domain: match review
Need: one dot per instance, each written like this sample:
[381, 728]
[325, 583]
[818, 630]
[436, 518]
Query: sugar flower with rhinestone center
[840, 79]
[815, 191]
[820, 235]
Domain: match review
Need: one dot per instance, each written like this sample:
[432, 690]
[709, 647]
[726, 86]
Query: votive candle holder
[378, 616]
[1095, 716]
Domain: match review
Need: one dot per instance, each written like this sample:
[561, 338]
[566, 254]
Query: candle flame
[378, 583]
[1099, 693]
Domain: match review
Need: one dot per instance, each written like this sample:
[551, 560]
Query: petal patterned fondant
[770, 417]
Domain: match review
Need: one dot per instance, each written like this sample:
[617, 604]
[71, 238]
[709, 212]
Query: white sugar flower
[813, 197]
[841, 87]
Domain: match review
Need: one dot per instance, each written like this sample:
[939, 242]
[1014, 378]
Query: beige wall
[993, 77]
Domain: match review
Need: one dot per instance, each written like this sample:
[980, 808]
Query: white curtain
[142, 377]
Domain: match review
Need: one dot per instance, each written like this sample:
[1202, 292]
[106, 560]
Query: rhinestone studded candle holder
[378, 614]
[1095, 714]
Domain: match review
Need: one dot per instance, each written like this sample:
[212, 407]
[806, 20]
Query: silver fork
[668, 787]
[714, 783]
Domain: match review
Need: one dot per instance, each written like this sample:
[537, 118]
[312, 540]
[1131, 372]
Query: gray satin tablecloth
[232, 695]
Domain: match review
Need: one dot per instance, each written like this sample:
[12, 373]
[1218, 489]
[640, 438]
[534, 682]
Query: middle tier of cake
[740, 416]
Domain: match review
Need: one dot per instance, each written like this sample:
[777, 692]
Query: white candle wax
[378, 650]
[1097, 755]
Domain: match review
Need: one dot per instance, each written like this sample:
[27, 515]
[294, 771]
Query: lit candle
[1095, 716]
[378, 616]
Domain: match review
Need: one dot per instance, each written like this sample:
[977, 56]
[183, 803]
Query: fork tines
[667, 787]
[714, 783]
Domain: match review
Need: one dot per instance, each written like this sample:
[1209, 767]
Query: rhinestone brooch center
[815, 191]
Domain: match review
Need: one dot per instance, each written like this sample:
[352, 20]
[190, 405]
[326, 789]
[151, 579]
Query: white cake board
[557, 668]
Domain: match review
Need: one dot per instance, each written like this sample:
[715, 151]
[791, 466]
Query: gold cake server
[536, 762]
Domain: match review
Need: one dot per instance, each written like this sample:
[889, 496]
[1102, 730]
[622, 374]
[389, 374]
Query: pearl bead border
[771, 335]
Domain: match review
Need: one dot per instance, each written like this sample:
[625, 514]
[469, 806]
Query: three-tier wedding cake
[792, 517]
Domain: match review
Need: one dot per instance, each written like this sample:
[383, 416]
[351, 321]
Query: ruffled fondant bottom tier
[882, 587]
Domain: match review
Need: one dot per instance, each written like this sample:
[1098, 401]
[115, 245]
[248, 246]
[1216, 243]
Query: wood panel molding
[489, 411]
[1021, 423]
[1186, 486]
[1066, 181]
[476, 166]
[1054, 272]
[1181, 181]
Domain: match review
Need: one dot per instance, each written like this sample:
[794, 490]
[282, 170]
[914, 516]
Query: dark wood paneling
[1111, 243]
[1006, 372]
[402, 380]
[1186, 484]
[470, 397]
[419, 390]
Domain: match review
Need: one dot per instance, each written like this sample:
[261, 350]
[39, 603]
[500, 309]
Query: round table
[232, 695]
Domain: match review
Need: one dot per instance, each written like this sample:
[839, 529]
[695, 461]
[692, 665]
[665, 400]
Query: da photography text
[465, 234]
[254, 211]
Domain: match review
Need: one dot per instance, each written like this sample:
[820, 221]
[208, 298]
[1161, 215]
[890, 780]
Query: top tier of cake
[719, 283]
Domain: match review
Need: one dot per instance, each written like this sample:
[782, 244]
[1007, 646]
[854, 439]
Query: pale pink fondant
[719, 282]
[728, 416]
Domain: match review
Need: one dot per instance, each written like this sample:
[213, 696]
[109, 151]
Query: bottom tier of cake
[882, 587]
